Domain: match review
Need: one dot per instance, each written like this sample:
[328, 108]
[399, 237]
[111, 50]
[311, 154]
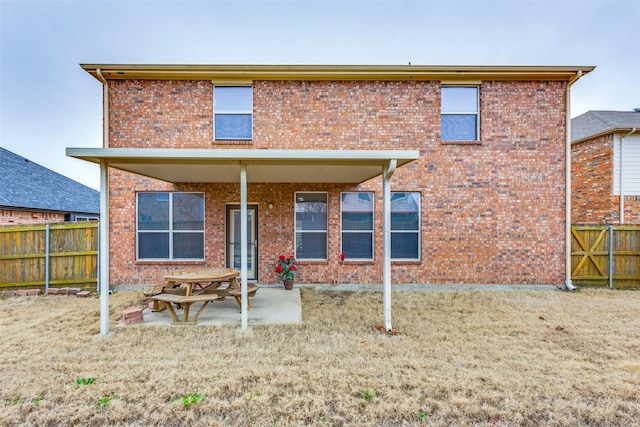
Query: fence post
[610, 256]
[46, 259]
[98, 262]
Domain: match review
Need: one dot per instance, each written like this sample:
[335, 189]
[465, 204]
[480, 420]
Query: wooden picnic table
[184, 287]
[202, 279]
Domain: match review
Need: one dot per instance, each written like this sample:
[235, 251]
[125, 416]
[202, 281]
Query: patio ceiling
[269, 166]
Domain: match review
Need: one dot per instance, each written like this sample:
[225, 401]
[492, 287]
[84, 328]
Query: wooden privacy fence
[57, 255]
[606, 255]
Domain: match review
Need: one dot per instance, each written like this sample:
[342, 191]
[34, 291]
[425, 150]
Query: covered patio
[243, 167]
[271, 306]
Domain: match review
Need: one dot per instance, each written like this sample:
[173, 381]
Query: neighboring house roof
[596, 123]
[26, 185]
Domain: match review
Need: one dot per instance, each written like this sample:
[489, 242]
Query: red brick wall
[631, 209]
[160, 114]
[492, 212]
[593, 201]
[13, 217]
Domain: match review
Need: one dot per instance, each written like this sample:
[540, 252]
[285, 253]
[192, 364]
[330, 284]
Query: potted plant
[286, 269]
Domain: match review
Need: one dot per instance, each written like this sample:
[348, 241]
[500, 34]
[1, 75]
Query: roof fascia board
[233, 155]
[332, 72]
[43, 210]
[612, 131]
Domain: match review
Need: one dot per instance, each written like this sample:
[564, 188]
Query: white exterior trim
[630, 165]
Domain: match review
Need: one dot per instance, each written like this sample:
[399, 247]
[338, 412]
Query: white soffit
[223, 165]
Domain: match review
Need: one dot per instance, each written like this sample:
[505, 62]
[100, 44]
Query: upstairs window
[170, 226]
[460, 117]
[311, 226]
[233, 106]
[357, 226]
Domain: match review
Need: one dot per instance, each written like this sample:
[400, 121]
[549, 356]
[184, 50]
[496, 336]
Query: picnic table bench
[185, 301]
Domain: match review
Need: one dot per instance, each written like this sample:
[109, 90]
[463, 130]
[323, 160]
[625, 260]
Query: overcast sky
[48, 103]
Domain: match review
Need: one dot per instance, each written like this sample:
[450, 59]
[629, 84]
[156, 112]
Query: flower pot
[288, 284]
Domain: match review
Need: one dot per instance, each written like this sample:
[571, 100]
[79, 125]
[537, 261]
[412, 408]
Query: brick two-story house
[605, 165]
[473, 161]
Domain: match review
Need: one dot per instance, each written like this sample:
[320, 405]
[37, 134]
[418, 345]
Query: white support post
[103, 250]
[389, 168]
[243, 245]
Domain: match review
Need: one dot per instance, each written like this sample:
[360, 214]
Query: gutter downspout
[103, 237]
[105, 108]
[621, 180]
[568, 282]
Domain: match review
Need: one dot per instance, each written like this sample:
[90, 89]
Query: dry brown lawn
[461, 358]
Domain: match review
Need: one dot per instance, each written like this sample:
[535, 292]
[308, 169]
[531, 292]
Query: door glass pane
[235, 238]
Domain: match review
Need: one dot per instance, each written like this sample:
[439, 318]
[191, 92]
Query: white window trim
[372, 231]
[170, 230]
[233, 112]
[419, 258]
[296, 231]
[459, 113]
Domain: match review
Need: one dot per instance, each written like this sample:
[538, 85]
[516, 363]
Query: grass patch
[367, 395]
[462, 358]
[103, 403]
[84, 381]
[191, 399]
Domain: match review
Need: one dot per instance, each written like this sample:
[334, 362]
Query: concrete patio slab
[269, 306]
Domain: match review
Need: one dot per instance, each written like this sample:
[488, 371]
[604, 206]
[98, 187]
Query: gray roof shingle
[594, 123]
[25, 184]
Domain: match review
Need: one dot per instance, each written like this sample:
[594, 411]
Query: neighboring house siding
[491, 211]
[630, 166]
[596, 181]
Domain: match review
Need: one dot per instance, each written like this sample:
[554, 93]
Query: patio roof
[244, 166]
[267, 166]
